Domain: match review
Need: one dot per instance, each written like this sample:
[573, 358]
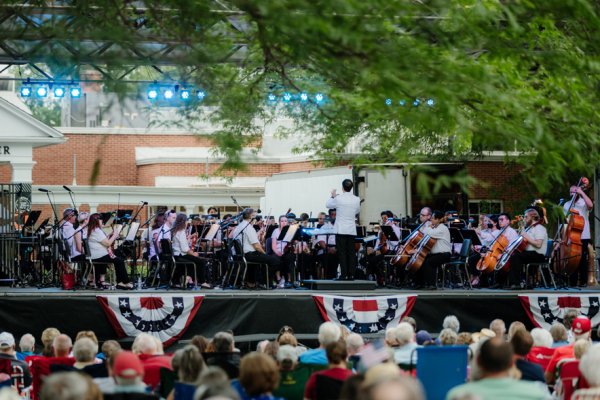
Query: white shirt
[97, 249]
[164, 232]
[247, 236]
[441, 234]
[582, 209]
[510, 234]
[180, 243]
[538, 232]
[68, 232]
[487, 236]
[280, 245]
[153, 242]
[347, 206]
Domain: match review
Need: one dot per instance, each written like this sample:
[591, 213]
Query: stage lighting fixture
[430, 102]
[75, 92]
[184, 94]
[287, 97]
[41, 91]
[168, 94]
[272, 97]
[201, 95]
[319, 97]
[303, 97]
[152, 94]
[59, 92]
[416, 102]
[25, 91]
[388, 102]
[402, 102]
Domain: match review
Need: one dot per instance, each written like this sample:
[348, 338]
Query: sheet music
[289, 236]
[212, 232]
[133, 228]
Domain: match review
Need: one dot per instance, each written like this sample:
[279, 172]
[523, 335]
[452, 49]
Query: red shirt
[341, 374]
[560, 354]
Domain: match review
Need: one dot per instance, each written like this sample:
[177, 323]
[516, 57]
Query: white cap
[6, 340]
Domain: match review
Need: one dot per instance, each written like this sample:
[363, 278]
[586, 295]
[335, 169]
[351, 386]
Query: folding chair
[241, 260]
[569, 376]
[441, 368]
[545, 265]
[461, 261]
[167, 254]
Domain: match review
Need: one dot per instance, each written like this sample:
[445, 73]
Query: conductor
[347, 206]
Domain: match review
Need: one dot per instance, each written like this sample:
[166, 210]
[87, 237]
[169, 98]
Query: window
[477, 207]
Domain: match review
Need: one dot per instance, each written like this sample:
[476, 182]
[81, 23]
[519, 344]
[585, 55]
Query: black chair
[461, 261]
[168, 257]
[544, 265]
[240, 259]
[92, 265]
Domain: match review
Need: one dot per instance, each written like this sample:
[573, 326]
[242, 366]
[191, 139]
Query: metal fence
[15, 204]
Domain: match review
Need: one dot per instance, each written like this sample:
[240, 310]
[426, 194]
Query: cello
[518, 245]
[571, 248]
[405, 250]
[488, 263]
[422, 250]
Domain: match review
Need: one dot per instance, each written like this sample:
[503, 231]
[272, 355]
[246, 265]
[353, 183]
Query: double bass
[571, 248]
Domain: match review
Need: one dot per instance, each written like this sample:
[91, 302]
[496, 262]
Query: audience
[498, 327]
[515, 326]
[61, 346]
[69, 386]
[327, 384]
[328, 333]
[151, 356]
[224, 354]
[589, 369]
[8, 351]
[48, 336]
[541, 338]
[451, 322]
[128, 372]
[259, 377]
[559, 334]
[405, 337]
[581, 328]
[394, 387]
[448, 337]
[27, 346]
[495, 361]
[522, 342]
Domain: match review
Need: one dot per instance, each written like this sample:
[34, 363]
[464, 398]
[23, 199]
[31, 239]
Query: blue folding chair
[183, 391]
[441, 368]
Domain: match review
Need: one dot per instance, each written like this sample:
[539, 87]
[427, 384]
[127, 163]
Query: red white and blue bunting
[543, 310]
[365, 314]
[165, 317]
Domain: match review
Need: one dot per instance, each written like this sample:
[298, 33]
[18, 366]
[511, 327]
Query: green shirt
[501, 389]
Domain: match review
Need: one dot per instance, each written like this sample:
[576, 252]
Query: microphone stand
[54, 231]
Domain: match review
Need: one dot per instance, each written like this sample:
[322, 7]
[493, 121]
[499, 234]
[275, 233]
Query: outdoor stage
[256, 315]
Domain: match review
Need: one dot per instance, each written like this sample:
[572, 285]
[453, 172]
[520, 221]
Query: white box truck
[380, 187]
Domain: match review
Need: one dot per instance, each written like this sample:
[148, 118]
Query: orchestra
[403, 253]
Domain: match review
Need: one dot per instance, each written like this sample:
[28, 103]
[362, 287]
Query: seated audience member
[515, 326]
[351, 389]
[568, 318]
[216, 392]
[424, 338]
[498, 327]
[69, 386]
[48, 336]
[581, 328]
[328, 333]
[354, 344]
[522, 342]
[327, 384]
[27, 346]
[448, 337]
[151, 356]
[223, 354]
[107, 384]
[464, 338]
[84, 351]
[287, 339]
[580, 347]
[451, 322]
[559, 334]
[411, 321]
[405, 337]
[128, 372]
[259, 377]
[293, 378]
[61, 346]
[590, 371]
[109, 348]
[200, 342]
[189, 365]
[495, 361]
[541, 338]
[396, 387]
[390, 337]
[8, 351]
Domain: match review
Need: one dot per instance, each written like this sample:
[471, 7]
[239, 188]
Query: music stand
[133, 229]
[32, 218]
[40, 224]
[289, 233]
[471, 234]
[270, 229]
[106, 216]
[455, 236]
[389, 233]
[212, 233]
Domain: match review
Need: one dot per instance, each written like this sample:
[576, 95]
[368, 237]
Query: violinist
[99, 245]
[284, 251]
[440, 252]
[321, 219]
[325, 247]
[165, 230]
[582, 204]
[537, 241]
[183, 253]
[383, 246]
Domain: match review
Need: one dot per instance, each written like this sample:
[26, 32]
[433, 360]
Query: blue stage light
[287, 97]
[303, 97]
[152, 94]
[402, 102]
[272, 97]
[25, 91]
[201, 95]
[168, 94]
[416, 102]
[319, 97]
[430, 102]
[184, 94]
[75, 92]
[388, 102]
[41, 91]
[59, 92]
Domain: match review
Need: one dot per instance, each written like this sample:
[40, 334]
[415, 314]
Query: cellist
[537, 241]
[583, 205]
[376, 255]
[440, 252]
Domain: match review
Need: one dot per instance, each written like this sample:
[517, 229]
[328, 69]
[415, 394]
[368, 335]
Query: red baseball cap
[581, 325]
[127, 365]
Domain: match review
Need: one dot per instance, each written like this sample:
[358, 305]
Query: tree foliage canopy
[508, 75]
